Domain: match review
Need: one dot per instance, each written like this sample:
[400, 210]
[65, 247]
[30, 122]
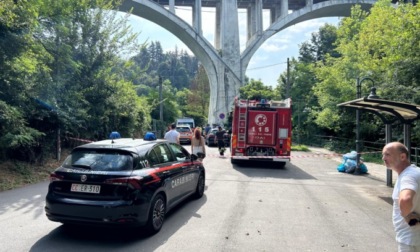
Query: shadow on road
[87, 238]
[271, 169]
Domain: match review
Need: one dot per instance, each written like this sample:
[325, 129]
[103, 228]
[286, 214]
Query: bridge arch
[216, 68]
[332, 8]
[225, 78]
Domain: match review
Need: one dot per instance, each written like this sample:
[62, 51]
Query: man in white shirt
[406, 196]
[172, 136]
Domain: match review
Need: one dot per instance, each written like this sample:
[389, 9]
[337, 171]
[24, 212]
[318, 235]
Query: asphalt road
[307, 206]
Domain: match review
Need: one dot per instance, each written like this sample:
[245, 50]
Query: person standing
[220, 142]
[172, 136]
[207, 129]
[198, 146]
[406, 196]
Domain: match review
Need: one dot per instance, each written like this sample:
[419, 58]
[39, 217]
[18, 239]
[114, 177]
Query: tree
[255, 90]
[380, 45]
[87, 40]
[198, 98]
[20, 65]
[62, 67]
[170, 106]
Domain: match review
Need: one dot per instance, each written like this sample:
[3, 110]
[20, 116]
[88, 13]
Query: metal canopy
[405, 112]
[389, 112]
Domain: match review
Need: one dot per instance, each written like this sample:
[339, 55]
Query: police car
[123, 181]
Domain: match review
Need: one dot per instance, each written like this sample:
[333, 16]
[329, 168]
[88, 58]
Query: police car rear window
[99, 160]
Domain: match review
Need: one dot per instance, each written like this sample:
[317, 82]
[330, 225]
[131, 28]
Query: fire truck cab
[261, 130]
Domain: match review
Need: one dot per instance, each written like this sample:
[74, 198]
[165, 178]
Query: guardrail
[344, 145]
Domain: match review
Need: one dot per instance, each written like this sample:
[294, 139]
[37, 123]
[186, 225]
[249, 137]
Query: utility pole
[162, 131]
[287, 80]
[160, 100]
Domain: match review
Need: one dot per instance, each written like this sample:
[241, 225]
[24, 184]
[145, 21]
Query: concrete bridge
[224, 63]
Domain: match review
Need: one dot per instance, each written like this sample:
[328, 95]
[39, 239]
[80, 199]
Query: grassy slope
[15, 174]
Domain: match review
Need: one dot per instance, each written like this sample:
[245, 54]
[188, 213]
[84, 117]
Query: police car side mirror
[194, 157]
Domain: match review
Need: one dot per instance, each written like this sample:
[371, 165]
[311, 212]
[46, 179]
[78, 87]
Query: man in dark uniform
[219, 138]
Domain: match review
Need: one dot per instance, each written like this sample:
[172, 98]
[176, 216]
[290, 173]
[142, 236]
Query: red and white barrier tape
[247, 157]
[292, 156]
[81, 140]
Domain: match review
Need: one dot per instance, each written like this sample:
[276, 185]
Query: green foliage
[169, 103]
[303, 81]
[16, 135]
[68, 56]
[151, 63]
[369, 46]
[21, 168]
[394, 60]
[373, 158]
[255, 90]
[300, 147]
[195, 104]
[183, 95]
[87, 41]
[320, 46]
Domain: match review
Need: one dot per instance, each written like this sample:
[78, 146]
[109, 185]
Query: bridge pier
[255, 19]
[196, 18]
[228, 74]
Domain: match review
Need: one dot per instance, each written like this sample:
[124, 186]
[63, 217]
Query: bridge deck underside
[267, 4]
[242, 4]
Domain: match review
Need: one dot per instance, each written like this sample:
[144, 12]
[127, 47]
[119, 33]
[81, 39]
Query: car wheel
[199, 191]
[156, 214]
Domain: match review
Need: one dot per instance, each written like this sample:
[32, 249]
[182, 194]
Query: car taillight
[55, 177]
[133, 182]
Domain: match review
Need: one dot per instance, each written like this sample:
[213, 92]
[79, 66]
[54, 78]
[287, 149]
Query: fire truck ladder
[243, 111]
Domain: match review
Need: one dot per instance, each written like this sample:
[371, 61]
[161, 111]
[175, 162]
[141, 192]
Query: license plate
[85, 188]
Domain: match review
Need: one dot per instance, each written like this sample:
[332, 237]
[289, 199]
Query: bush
[299, 147]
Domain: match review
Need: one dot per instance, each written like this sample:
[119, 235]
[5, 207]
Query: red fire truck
[261, 130]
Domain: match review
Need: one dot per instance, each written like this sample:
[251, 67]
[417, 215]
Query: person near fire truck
[219, 140]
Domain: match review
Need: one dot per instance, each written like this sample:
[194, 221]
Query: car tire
[199, 191]
[156, 214]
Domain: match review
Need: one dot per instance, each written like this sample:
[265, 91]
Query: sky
[266, 64]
